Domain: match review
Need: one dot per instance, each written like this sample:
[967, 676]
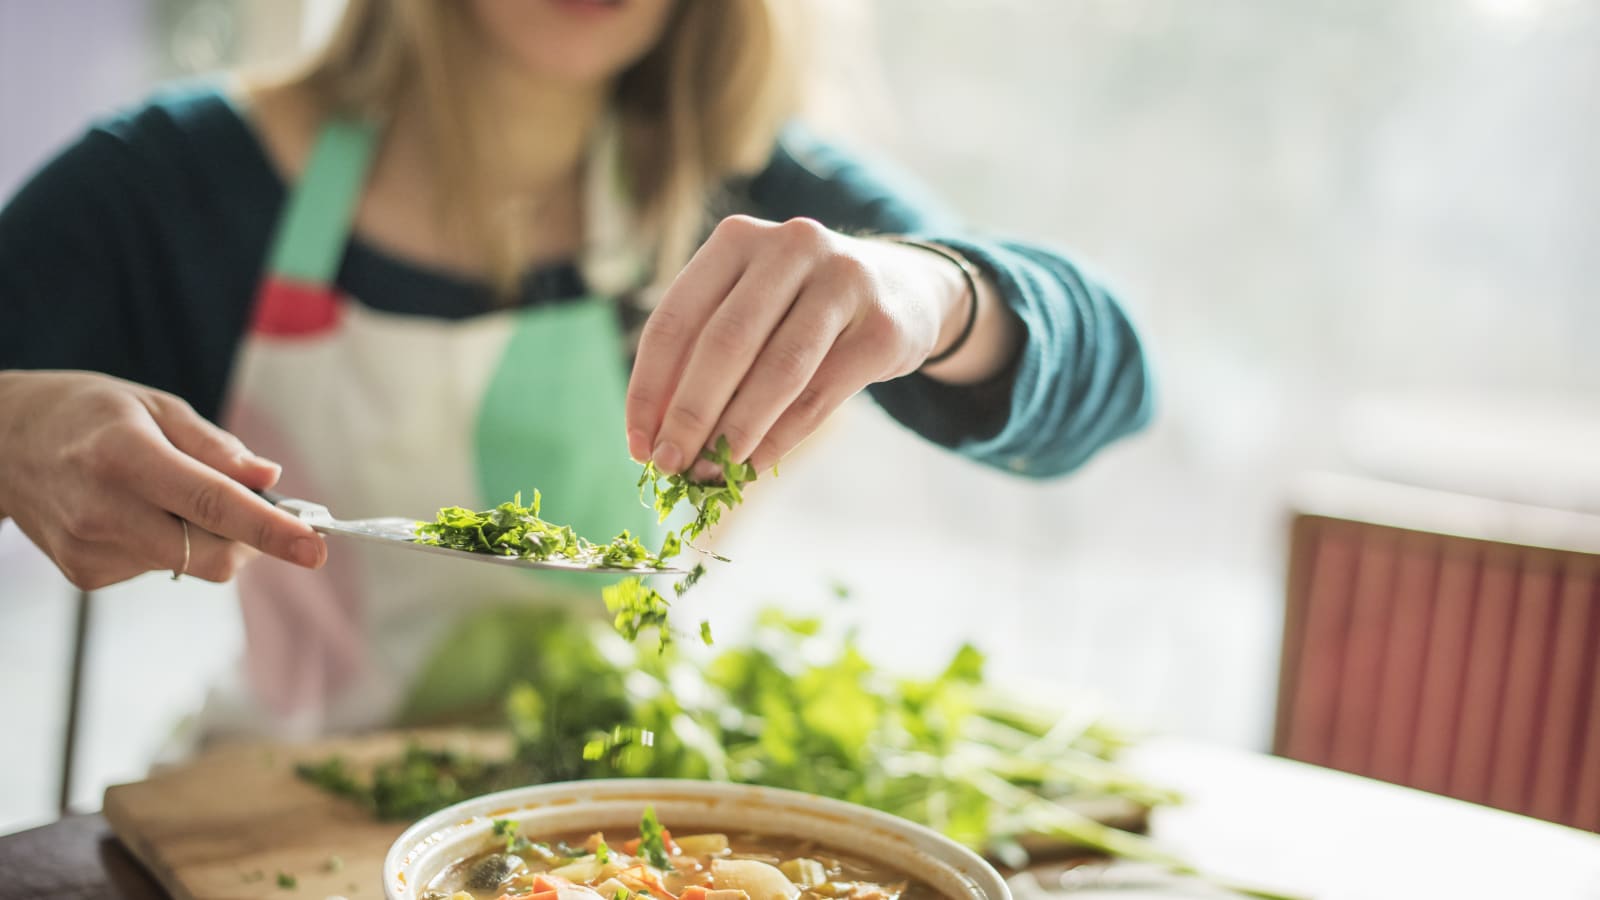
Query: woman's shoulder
[255, 131]
[178, 121]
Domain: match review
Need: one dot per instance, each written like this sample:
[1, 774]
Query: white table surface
[1322, 834]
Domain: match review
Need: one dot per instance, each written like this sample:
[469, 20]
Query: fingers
[787, 364]
[188, 488]
[671, 331]
[736, 336]
[158, 540]
[191, 433]
[840, 378]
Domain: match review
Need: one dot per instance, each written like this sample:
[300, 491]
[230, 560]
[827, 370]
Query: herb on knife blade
[514, 530]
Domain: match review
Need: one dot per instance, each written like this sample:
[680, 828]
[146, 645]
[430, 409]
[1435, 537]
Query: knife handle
[272, 497]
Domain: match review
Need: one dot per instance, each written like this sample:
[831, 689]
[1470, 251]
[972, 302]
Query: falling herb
[705, 632]
[602, 853]
[334, 864]
[287, 882]
[634, 606]
[652, 840]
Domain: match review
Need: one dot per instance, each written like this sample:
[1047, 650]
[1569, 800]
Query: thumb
[192, 434]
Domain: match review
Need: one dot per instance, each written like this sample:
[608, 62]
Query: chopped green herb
[334, 864]
[652, 841]
[705, 632]
[621, 894]
[506, 828]
[709, 499]
[690, 580]
[602, 853]
[287, 882]
[514, 530]
[634, 606]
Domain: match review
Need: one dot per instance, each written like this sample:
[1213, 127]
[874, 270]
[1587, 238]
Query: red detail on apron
[288, 308]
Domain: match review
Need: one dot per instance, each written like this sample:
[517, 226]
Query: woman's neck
[532, 133]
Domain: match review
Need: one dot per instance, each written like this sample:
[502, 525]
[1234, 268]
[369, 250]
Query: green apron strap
[315, 224]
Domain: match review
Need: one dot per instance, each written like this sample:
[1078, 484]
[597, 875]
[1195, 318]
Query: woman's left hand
[773, 326]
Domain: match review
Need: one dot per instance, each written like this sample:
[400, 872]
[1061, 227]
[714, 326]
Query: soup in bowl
[647, 839]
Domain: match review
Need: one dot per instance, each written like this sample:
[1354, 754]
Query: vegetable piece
[702, 844]
[693, 892]
[287, 882]
[653, 840]
[584, 870]
[804, 871]
[507, 829]
[494, 870]
[759, 880]
[726, 894]
[642, 880]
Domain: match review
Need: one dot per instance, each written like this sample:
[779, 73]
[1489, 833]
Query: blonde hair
[702, 106]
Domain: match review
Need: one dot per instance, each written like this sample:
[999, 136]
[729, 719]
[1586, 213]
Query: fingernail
[306, 552]
[638, 443]
[668, 457]
[705, 470]
[251, 459]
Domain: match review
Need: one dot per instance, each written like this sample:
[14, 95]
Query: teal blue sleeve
[1080, 379]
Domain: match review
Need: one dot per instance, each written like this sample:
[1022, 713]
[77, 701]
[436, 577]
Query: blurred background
[1358, 235]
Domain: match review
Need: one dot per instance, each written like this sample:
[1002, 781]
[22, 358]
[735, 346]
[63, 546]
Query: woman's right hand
[97, 471]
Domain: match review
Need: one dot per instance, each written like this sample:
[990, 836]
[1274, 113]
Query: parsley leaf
[652, 842]
[506, 828]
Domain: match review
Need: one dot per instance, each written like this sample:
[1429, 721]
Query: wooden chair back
[1446, 643]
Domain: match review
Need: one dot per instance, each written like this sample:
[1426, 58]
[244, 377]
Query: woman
[406, 275]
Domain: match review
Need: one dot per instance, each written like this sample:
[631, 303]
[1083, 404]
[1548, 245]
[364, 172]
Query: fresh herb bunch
[798, 707]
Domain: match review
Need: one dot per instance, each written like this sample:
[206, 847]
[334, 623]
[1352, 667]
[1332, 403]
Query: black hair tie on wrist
[971, 278]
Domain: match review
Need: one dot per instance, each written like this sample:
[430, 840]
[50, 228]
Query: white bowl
[431, 845]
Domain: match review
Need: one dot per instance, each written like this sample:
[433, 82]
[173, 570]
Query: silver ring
[179, 572]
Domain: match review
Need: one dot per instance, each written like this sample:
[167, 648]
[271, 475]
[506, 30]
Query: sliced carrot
[543, 883]
[693, 892]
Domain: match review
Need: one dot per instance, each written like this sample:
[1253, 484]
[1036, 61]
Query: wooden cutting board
[224, 825]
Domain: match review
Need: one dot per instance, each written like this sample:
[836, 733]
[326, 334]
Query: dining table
[1247, 818]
